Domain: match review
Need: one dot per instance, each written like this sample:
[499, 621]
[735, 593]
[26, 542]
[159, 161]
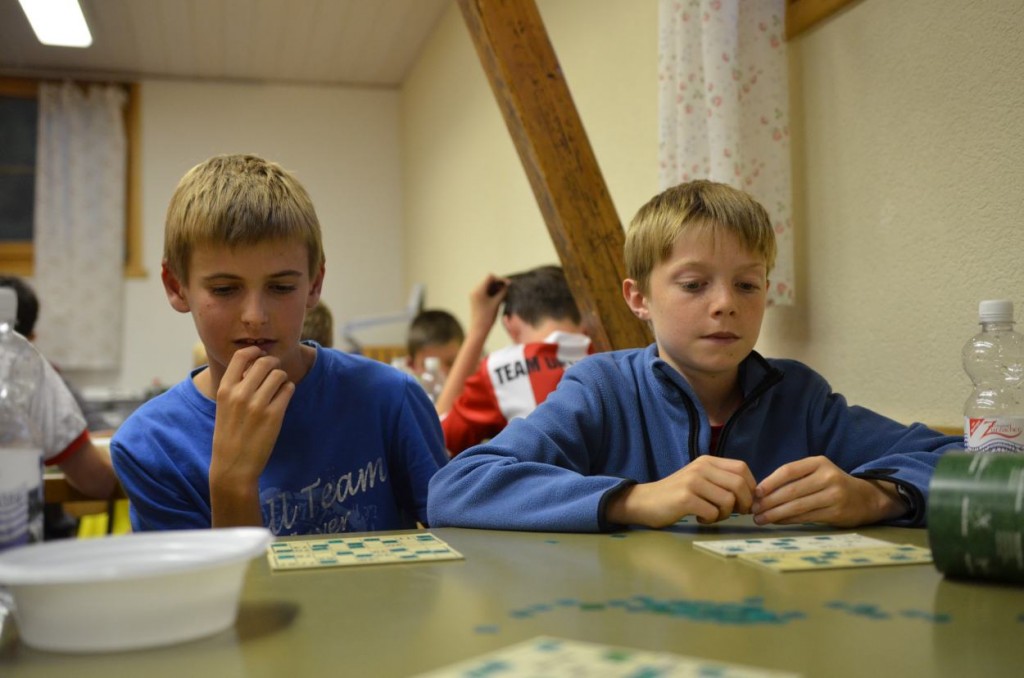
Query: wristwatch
[905, 495]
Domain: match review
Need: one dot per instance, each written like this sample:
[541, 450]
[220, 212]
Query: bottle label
[997, 434]
[21, 496]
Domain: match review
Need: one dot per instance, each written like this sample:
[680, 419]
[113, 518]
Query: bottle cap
[8, 305]
[995, 311]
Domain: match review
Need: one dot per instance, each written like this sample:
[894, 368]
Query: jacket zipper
[773, 377]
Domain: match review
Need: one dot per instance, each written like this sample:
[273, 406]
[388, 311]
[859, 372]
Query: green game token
[976, 516]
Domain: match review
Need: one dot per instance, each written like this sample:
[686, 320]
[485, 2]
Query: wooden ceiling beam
[534, 99]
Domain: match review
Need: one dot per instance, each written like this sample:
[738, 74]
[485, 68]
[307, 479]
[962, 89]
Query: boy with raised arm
[273, 431]
[698, 423]
[541, 318]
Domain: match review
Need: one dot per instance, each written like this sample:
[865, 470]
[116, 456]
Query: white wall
[342, 144]
[469, 208]
[908, 173]
[910, 186]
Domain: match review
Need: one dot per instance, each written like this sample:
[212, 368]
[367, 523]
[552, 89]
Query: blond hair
[319, 325]
[701, 204]
[237, 200]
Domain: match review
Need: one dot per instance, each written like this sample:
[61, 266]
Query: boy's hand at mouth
[251, 401]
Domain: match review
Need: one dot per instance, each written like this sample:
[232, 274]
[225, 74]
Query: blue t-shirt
[358, 445]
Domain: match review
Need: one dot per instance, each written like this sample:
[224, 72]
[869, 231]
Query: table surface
[402, 619]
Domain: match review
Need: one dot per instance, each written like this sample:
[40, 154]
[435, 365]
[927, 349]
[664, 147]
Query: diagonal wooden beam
[801, 15]
[534, 98]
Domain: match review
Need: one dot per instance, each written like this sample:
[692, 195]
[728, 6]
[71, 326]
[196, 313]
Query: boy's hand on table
[815, 490]
[710, 488]
[251, 401]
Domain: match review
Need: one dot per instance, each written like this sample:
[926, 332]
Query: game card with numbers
[735, 547]
[545, 656]
[367, 550]
[894, 554]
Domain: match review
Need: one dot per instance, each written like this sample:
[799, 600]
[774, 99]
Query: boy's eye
[748, 286]
[691, 285]
[221, 290]
[282, 288]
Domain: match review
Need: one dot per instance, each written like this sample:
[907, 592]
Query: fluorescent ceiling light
[57, 22]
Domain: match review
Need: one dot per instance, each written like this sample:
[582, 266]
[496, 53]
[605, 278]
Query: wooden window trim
[133, 267]
[17, 257]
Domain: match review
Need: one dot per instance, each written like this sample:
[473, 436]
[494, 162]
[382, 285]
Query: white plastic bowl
[131, 591]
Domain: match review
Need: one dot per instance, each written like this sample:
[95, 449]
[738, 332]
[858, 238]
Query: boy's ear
[315, 288]
[513, 325]
[174, 289]
[636, 299]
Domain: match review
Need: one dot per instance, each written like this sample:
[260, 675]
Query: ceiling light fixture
[57, 22]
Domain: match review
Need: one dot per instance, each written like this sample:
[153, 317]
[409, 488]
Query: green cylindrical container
[976, 516]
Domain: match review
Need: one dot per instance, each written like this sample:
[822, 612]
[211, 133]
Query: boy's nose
[723, 301]
[254, 310]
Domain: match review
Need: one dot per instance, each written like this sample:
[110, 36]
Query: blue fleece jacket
[628, 417]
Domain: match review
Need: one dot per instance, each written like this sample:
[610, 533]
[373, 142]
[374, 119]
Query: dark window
[18, 122]
[19, 106]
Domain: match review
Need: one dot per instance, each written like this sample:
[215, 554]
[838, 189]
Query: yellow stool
[112, 521]
[96, 518]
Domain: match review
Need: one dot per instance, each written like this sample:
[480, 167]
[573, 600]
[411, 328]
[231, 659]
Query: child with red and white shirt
[541, 317]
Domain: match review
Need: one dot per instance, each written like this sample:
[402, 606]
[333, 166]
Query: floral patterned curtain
[724, 107]
[79, 224]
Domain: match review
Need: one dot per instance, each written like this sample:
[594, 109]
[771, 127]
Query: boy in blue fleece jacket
[698, 423]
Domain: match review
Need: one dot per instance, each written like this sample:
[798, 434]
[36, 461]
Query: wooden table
[398, 620]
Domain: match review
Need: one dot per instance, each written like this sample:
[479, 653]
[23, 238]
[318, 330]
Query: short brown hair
[238, 200]
[541, 294]
[695, 204]
[28, 304]
[433, 327]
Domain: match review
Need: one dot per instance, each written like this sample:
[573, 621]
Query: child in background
[198, 354]
[67, 420]
[433, 334]
[541, 318]
[28, 314]
[273, 431]
[319, 325]
[698, 423]
[61, 435]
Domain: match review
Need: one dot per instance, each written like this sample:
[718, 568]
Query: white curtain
[80, 224]
[724, 111]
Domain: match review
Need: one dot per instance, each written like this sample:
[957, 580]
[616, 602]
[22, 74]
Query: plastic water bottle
[432, 378]
[21, 456]
[994, 360]
[401, 363]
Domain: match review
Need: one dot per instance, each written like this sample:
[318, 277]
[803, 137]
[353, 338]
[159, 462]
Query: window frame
[18, 257]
